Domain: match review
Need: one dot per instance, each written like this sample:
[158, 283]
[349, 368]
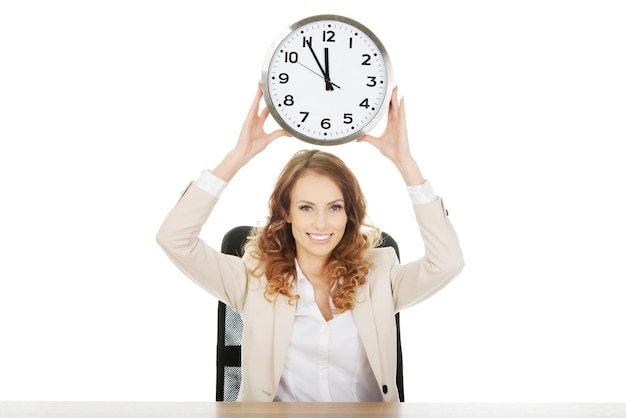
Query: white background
[517, 115]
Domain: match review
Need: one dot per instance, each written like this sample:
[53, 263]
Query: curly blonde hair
[273, 244]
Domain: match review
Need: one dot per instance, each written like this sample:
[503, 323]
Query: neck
[314, 269]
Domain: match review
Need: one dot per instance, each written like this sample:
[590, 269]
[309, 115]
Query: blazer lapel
[284, 315]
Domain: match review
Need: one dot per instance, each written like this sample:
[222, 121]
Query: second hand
[318, 74]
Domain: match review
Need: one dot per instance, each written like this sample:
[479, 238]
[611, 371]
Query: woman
[316, 298]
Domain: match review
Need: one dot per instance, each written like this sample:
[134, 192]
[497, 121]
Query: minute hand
[309, 43]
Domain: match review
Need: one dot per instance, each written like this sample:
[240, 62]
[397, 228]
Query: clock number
[306, 115]
[328, 36]
[347, 118]
[372, 81]
[366, 60]
[288, 100]
[283, 77]
[365, 103]
[291, 57]
[325, 123]
[305, 41]
[350, 43]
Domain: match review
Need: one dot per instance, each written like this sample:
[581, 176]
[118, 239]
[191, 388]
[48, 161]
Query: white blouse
[326, 361]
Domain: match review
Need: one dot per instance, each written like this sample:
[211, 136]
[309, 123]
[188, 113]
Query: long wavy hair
[273, 244]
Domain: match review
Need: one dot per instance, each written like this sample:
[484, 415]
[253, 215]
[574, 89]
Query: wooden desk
[306, 410]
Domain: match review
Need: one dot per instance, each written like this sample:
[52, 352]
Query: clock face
[327, 80]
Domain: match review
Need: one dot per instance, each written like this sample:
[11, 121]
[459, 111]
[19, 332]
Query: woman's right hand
[252, 140]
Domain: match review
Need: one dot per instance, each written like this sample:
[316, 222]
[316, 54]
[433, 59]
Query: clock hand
[329, 85]
[318, 74]
[309, 43]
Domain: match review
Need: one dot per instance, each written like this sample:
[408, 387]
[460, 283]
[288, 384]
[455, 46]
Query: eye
[305, 208]
[336, 208]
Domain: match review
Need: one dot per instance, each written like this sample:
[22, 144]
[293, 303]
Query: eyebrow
[313, 204]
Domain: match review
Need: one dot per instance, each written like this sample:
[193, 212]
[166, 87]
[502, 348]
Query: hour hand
[329, 85]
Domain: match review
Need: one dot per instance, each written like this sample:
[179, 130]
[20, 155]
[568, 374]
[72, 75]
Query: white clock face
[328, 80]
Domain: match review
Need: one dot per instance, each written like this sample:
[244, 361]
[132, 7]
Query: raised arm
[221, 275]
[393, 143]
[252, 140]
[443, 260]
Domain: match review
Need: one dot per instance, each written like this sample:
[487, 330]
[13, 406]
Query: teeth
[319, 237]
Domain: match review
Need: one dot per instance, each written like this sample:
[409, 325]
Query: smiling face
[317, 215]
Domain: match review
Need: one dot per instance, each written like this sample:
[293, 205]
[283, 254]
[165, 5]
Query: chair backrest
[230, 327]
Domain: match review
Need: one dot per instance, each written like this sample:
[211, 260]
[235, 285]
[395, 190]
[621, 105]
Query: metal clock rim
[299, 135]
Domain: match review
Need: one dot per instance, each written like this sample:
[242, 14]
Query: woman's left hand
[393, 143]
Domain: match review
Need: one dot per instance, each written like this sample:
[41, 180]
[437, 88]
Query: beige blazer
[390, 287]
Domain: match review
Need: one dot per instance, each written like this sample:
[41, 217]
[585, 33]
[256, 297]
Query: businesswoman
[316, 297]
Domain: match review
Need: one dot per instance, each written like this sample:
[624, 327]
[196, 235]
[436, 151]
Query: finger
[393, 103]
[264, 114]
[277, 134]
[402, 112]
[370, 139]
[391, 113]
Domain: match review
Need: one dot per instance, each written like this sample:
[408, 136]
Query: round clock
[327, 80]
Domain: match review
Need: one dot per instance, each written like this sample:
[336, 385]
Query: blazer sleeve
[222, 275]
[443, 260]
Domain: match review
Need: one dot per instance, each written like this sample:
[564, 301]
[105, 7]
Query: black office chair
[230, 327]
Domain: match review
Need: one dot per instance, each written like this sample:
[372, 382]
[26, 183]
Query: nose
[320, 220]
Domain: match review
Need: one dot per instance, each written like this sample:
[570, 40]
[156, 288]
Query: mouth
[320, 238]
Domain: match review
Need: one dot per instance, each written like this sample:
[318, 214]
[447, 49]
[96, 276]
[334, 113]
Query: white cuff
[210, 183]
[422, 193]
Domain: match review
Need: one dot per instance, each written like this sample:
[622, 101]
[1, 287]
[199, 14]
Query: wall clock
[327, 80]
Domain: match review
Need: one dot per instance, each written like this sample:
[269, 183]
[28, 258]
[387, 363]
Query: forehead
[316, 188]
